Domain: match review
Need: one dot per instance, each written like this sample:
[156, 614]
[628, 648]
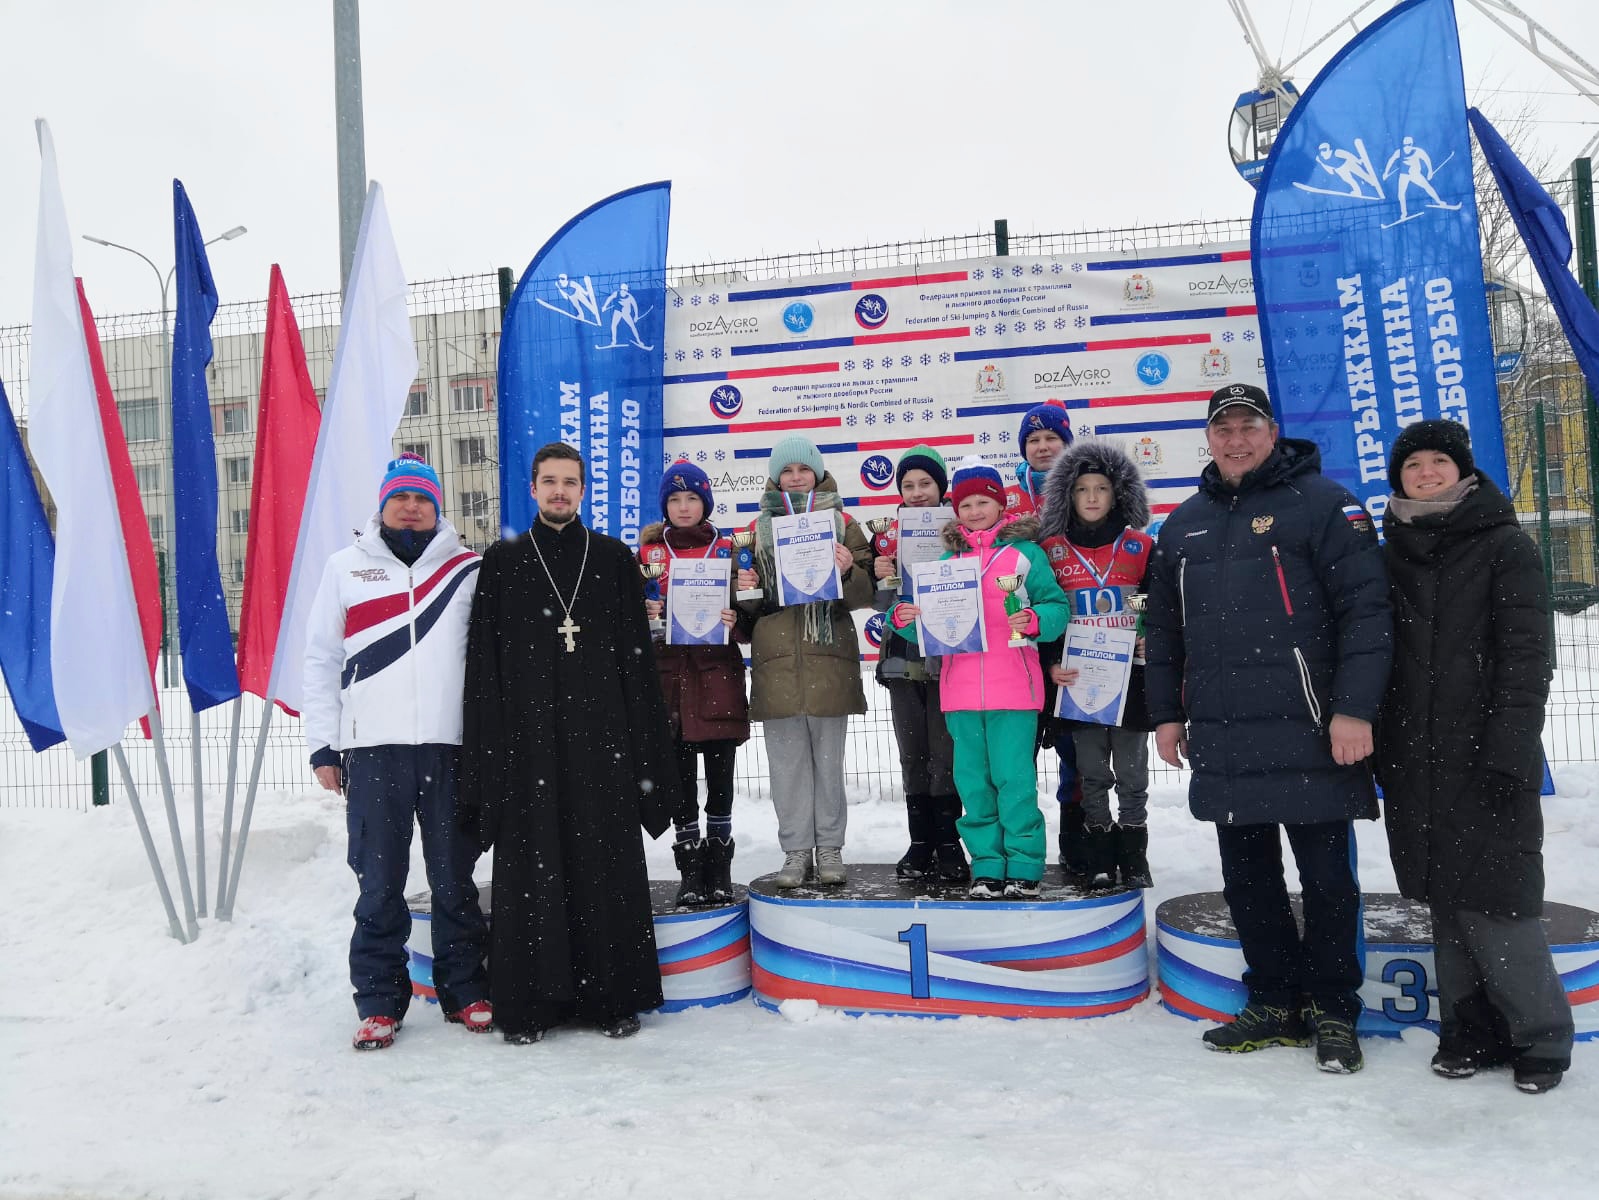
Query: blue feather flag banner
[581, 362]
[1368, 271]
[27, 575]
[204, 636]
[1544, 231]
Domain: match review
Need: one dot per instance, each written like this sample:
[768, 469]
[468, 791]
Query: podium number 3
[916, 938]
[1413, 988]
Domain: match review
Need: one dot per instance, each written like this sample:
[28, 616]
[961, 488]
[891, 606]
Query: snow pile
[134, 1066]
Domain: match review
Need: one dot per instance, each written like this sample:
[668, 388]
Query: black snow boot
[1132, 856]
[691, 865]
[718, 870]
[1099, 857]
[1074, 862]
[952, 864]
[918, 860]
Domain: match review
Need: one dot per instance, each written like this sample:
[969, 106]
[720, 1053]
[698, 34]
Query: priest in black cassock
[565, 753]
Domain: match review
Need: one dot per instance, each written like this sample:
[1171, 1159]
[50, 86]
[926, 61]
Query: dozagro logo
[871, 310]
[1224, 284]
[726, 401]
[877, 472]
[1066, 377]
[798, 317]
[722, 326]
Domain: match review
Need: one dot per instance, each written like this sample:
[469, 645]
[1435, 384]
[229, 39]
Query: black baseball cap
[1245, 394]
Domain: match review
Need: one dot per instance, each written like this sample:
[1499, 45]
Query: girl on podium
[805, 668]
[704, 691]
[926, 755]
[992, 697]
[1459, 755]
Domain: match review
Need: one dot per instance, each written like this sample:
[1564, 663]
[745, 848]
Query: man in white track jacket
[384, 664]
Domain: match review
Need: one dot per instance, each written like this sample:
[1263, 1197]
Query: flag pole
[199, 811]
[149, 844]
[227, 805]
[226, 912]
[164, 772]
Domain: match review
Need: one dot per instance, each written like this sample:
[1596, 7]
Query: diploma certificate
[1102, 656]
[806, 569]
[920, 539]
[696, 594]
[950, 596]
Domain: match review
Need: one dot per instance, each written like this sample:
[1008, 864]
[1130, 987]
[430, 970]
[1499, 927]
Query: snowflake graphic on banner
[1016, 272]
[694, 300]
[1060, 322]
[677, 301]
[850, 420]
[927, 414]
[867, 364]
[947, 414]
[1249, 335]
[906, 361]
[979, 330]
[721, 456]
[1038, 268]
[1228, 336]
[699, 456]
[714, 298]
[1039, 325]
[679, 355]
[1055, 268]
[1079, 321]
[946, 358]
[1085, 430]
[871, 418]
[927, 360]
[888, 417]
[1076, 266]
[698, 354]
[982, 438]
[849, 364]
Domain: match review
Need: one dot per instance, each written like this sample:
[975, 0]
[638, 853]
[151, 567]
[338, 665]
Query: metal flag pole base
[164, 773]
[227, 805]
[225, 910]
[173, 925]
[199, 810]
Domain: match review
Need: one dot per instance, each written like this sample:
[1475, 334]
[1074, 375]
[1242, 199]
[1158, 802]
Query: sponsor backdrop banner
[952, 355]
[1366, 255]
[580, 362]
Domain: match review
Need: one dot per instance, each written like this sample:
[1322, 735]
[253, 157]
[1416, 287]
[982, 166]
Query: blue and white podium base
[877, 945]
[1202, 966]
[704, 953]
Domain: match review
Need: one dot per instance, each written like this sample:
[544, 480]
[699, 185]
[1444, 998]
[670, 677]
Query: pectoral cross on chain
[569, 629]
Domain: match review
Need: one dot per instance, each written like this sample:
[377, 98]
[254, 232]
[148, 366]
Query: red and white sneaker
[478, 1017]
[376, 1033]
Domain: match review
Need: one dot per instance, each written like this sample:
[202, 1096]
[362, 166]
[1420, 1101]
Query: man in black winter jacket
[1269, 644]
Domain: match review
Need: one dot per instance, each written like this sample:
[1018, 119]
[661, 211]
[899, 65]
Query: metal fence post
[1588, 275]
[100, 779]
[507, 286]
[1545, 542]
[1001, 237]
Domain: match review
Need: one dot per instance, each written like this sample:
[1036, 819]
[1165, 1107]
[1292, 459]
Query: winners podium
[704, 953]
[880, 945]
[1202, 967]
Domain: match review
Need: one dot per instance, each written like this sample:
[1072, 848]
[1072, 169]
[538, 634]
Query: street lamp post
[164, 431]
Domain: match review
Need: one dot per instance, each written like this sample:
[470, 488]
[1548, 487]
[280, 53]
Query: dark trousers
[926, 753]
[719, 759]
[387, 790]
[1326, 964]
[1499, 996]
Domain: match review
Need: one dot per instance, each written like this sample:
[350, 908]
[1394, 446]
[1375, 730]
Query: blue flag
[203, 632]
[27, 572]
[581, 362]
[1368, 273]
[1548, 240]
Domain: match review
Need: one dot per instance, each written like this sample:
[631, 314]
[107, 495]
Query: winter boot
[1537, 1075]
[691, 865]
[830, 866]
[918, 860]
[376, 1033]
[1132, 856]
[718, 870]
[796, 867]
[952, 864]
[1337, 1048]
[1073, 850]
[986, 888]
[1256, 1028]
[1098, 857]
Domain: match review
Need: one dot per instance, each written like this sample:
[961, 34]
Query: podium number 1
[916, 938]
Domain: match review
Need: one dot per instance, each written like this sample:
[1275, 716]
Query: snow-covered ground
[131, 1065]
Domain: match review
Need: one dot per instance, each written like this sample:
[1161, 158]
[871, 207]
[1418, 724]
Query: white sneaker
[830, 865]
[796, 866]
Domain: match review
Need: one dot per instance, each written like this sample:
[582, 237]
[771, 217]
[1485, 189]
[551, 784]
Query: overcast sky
[783, 127]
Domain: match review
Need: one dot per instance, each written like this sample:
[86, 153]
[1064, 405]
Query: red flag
[285, 441]
[135, 529]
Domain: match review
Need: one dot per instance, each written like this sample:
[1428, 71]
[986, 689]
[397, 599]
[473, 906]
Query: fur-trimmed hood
[1094, 456]
[1020, 528]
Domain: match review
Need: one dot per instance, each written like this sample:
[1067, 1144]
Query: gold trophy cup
[652, 572]
[744, 540]
[880, 526]
[1136, 603]
[1010, 585]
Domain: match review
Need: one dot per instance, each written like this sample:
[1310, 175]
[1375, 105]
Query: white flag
[373, 370]
[102, 680]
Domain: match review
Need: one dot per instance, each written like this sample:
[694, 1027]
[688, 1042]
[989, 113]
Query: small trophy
[886, 544]
[1010, 585]
[744, 539]
[1136, 603]
[652, 572]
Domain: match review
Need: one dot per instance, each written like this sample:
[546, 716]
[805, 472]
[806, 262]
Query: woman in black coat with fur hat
[1459, 756]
